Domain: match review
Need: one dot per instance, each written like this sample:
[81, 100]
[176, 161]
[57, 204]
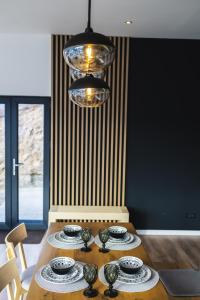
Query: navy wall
[163, 159]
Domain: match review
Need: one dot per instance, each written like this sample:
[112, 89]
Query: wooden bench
[88, 213]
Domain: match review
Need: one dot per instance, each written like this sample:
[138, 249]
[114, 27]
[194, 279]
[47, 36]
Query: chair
[9, 274]
[88, 213]
[13, 242]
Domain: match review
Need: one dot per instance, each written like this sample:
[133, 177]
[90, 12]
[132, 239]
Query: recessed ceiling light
[128, 22]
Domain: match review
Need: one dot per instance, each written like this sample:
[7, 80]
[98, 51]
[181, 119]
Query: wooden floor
[173, 251]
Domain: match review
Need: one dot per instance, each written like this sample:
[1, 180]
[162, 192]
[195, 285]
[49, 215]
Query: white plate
[74, 275]
[142, 276]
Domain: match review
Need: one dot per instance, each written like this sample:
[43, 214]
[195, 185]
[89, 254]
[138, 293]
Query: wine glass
[104, 236]
[111, 272]
[86, 236]
[90, 273]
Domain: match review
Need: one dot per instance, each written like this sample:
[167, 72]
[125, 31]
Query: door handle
[15, 165]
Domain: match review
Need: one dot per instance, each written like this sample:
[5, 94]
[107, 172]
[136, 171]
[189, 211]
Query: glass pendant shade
[89, 91]
[76, 74]
[89, 52]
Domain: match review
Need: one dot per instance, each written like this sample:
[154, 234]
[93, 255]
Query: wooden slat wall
[88, 146]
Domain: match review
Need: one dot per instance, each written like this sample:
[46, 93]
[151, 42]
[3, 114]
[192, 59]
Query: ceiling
[151, 18]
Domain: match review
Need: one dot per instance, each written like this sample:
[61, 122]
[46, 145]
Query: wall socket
[191, 215]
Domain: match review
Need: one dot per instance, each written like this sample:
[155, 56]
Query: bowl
[62, 265]
[72, 230]
[117, 232]
[130, 264]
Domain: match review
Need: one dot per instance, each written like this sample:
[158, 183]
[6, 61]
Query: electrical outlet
[190, 215]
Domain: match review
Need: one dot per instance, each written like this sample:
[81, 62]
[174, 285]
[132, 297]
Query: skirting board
[168, 232]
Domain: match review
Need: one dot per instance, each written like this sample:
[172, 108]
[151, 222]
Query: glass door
[5, 178]
[28, 163]
[2, 164]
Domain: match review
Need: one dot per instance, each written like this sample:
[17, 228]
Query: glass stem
[110, 287]
[85, 244]
[90, 286]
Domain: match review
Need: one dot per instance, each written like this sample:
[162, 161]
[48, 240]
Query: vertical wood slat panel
[52, 181]
[94, 159]
[117, 104]
[113, 103]
[60, 126]
[125, 122]
[56, 101]
[65, 85]
[88, 146]
[86, 158]
[68, 201]
[121, 124]
[81, 162]
[99, 156]
[90, 178]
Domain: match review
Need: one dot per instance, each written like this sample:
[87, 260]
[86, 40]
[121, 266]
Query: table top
[48, 252]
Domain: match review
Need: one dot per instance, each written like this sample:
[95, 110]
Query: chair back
[9, 273]
[14, 239]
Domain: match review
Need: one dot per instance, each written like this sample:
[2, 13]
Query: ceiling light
[128, 22]
[89, 91]
[89, 51]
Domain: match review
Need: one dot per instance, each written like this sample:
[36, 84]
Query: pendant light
[89, 51]
[89, 91]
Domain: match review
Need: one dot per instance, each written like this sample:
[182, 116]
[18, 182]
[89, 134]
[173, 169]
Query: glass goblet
[90, 273]
[111, 272]
[86, 236]
[104, 236]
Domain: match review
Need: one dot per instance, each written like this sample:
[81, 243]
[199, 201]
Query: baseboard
[168, 232]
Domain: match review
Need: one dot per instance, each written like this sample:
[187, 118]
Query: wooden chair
[9, 274]
[13, 241]
[88, 213]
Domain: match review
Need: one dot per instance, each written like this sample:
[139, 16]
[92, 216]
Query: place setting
[116, 238]
[65, 275]
[128, 274]
[72, 237]
[61, 275]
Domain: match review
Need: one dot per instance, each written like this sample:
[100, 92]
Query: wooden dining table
[48, 252]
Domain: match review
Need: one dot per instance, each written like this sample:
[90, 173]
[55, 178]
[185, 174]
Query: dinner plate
[142, 276]
[72, 276]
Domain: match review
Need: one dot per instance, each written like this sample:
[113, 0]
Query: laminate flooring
[173, 251]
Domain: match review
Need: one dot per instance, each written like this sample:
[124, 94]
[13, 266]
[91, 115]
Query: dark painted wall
[163, 159]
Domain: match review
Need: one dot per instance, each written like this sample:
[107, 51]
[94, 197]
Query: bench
[88, 213]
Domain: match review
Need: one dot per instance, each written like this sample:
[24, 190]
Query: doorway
[24, 161]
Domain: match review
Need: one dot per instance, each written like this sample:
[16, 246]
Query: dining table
[48, 252]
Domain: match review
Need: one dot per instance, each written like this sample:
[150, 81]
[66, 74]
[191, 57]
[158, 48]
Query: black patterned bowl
[72, 230]
[130, 264]
[117, 232]
[62, 265]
